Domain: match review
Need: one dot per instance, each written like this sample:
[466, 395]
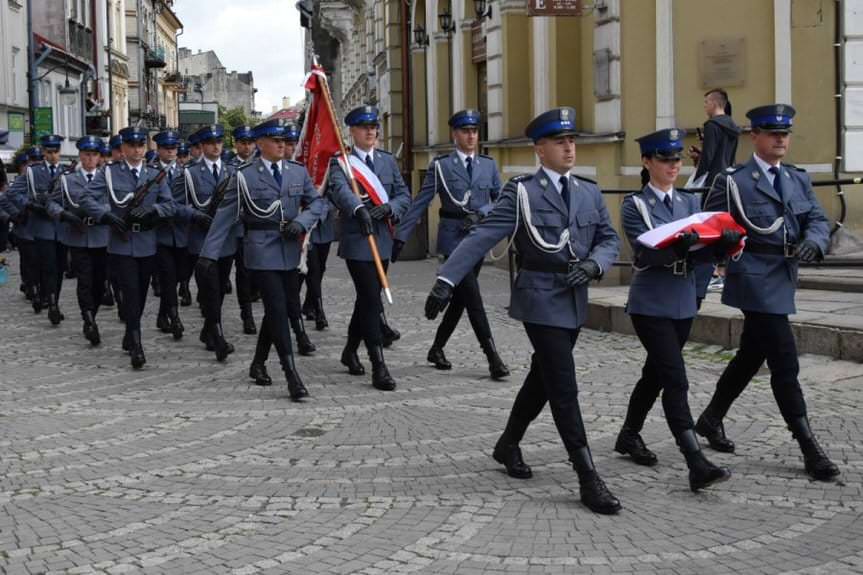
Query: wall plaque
[722, 63]
[555, 7]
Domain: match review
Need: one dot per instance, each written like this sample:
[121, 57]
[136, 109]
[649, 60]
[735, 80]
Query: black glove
[205, 266]
[293, 230]
[144, 215]
[438, 299]
[381, 212]
[729, 239]
[116, 222]
[397, 249]
[470, 220]
[69, 217]
[684, 241]
[202, 219]
[582, 272]
[808, 251]
[366, 227]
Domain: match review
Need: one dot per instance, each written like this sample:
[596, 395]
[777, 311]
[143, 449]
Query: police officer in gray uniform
[468, 185]
[244, 142]
[564, 240]
[662, 305]
[13, 202]
[266, 195]
[784, 225]
[132, 242]
[84, 237]
[361, 219]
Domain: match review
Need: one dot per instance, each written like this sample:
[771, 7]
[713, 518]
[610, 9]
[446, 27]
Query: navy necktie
[276, 174]
[216, 172]
[369, 162]
[53, 170]
[667, 201]
[135, 173]
[469, 165]
[777, 181]
[89, 178]
[564, 191]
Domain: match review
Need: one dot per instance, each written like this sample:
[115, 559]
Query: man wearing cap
[172, 238]
[195, 150]
[116, 144]
[564, 240]
[266, 196]
[131, 198]
[194, 192]
[362, 218]
[85, 238]
[244, 142]
[468, 185]
[23, 237]
[784, 225]
[182, 153]
[244, 145]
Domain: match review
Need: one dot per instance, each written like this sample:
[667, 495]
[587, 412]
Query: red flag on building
[319, 140]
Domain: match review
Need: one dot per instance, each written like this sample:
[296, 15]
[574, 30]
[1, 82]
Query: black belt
[786, 250]
[136, 227]
[553, 268]
[262, 225]
[447, 215]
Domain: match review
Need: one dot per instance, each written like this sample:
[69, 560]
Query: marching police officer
[13, 206]
[195, 151]
[784, 225]
[244, 141]
[662, 305]
[266, 195]
[85, 238]
[244, 144]
[468, 185]
[564, 240]
[172, 256]
[116, 145]
[361, 219]
[131, 198]
[182, 153]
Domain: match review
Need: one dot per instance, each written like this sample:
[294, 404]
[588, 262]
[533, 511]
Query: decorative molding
[541, 32]
[782, 50]
[665, 110]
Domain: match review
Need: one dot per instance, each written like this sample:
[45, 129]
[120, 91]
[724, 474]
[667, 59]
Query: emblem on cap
[673, 135]
[780, 109]
[564, 114]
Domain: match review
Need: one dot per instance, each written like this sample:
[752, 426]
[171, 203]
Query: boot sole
[724, 478]
[512, 474]
[603, 510]
[636, 460]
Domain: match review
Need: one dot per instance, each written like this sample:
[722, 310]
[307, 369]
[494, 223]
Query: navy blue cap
[20, 159]
[244, 133]
[167, 139]
[105, 149]
[115, 141]
[51, 141]
[362, 116]
[133, 135]
[772, 118]
[465, 118]
[34, 154]
[292, 133]
[89, 144]
[182, 150]
[664, 144]
[270, 129]
[207, 133]
[151, 156]
[555, 122]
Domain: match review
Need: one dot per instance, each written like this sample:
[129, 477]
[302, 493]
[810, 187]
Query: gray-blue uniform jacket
[766, 283]
[447, 176]
[97, 200]
[13, 201]
[353, 245]
[325, 231]
[543, 297]
[264, 247]
[189, 196]
[173, 232]
[22, 193]
[659, 288]
[67, 196]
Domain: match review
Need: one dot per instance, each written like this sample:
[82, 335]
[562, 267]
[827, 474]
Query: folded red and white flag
[708, 225]
[367, 180]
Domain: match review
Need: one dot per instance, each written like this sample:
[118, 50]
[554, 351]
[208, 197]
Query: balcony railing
[80, 41]
[155, 58]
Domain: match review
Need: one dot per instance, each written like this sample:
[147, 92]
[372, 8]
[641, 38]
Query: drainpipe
[407, 87]
[86, 76]
[111, 127]
[839, 73]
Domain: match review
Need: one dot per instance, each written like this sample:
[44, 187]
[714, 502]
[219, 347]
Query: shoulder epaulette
[585, 179]
[793, 167]
[296, 163]
[733, 169]
[486, 157]
[520, 178]
[382, 151]
[245, 165]
[440, 157]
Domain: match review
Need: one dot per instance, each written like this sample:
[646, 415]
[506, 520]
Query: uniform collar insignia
[756, 175]
[543, 182]
[652, 201]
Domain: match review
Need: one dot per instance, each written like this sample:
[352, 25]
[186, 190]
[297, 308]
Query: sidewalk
[827, 322]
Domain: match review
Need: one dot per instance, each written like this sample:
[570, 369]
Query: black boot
[157, 286]
[163, 324]
[127, 342]
[711, 429]
[818, 465]
[350, 359]
[177, 328]
[108, 297]
[594, 493]
[496, 367]
[136, 351]
[206, 336]
[388, 333]
[91, 330]
[185, 294]
[54, 314]
[222, 348]
[308, 310]
[304, 344]
[702, 473]
[629, 443]
[295, 385]
[508, 454]
[258, 372]
[381, 378]
[437, 358]
[321, 322]
[249, 327]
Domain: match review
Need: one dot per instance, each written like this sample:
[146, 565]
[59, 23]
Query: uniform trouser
[279, 291]
[133, 277]
[551, 378]
[664, 371]
[211, 289]
[316, 259]
[29, 262]
[172, 263]
[243, 277]
[765, 336]
[466, 296]
[366, 321]
[51, 257]
[90, 266]
[4, 233]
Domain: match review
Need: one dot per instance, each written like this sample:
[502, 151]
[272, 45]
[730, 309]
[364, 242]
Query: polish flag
[708, 225]
[319, 140]
[368, 181]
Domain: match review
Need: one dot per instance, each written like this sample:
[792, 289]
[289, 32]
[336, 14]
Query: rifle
[141, 193]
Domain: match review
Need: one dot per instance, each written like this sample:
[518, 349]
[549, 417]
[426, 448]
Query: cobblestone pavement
[185, 467]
